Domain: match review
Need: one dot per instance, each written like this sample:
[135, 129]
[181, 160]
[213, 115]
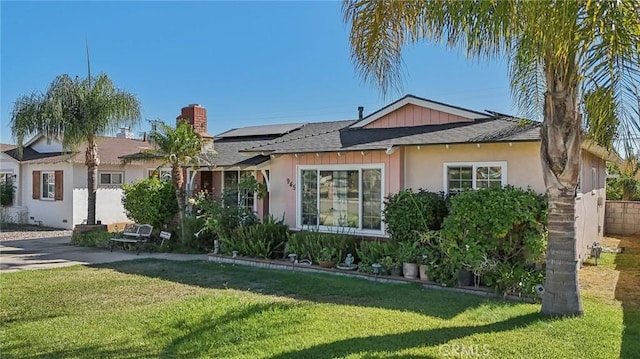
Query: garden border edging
[296, 267]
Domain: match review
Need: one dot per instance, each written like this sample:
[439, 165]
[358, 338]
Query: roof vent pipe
[360, 112]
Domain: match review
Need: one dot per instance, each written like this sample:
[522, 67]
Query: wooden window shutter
[59, 186]
[36, 184]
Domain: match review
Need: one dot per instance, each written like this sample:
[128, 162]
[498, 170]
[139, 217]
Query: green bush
[494, 228]
[7, 192]
[222, 215]
[150, 200]
[260, 240]
[309, 244]
[408, 213]
[370, 252]
[98, 239]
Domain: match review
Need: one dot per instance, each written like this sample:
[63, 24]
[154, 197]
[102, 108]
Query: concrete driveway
[44, 253]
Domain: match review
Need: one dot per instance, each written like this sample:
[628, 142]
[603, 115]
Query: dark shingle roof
[263, 130]
[356, 139]
[228, 152]
[109, 151]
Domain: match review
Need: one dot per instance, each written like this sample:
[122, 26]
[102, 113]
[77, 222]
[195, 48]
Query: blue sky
[248, 63]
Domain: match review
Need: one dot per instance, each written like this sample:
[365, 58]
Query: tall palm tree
[560, 53]
[77, 111]
[178, 147]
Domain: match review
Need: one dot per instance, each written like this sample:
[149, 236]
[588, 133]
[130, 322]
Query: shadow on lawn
[320, 288]
[413, 339]
[628, 293]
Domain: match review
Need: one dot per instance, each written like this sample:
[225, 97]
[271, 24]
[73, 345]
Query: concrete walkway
[45, 253]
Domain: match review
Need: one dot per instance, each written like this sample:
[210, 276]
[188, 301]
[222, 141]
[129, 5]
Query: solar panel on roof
[264, 130]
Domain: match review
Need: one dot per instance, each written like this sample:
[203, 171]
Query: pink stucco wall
[284, 175]
[412, 115]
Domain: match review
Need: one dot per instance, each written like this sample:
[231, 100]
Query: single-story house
[333, 175]
[51, 182]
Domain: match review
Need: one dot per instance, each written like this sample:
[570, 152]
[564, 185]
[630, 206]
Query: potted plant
[422, 267]
[392, 265]
[327, 257]
[408, 254]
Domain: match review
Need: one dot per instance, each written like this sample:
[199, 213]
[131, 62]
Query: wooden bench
[137, 234]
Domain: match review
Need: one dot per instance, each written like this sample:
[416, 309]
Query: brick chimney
[196, 115]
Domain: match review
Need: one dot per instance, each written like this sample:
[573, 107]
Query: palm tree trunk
[92, 161]
[560, 155]
[178, 185]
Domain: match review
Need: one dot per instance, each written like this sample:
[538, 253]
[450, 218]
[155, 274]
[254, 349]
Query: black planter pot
[465, 278]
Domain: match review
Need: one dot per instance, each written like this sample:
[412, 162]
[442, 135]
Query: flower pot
[422, 269]
[410, 270]
[396, 272]
[465, 278]
[326, 264]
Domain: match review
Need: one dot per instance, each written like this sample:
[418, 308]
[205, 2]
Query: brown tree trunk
[178, 185]
[92, 161]
[560, 156]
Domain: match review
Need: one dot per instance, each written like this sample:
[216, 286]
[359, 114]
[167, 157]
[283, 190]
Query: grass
[154, 308]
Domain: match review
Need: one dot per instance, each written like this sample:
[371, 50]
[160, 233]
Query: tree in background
[76, 111]
[626, 186]
[564, 57]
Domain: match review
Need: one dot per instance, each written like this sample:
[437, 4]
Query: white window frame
[340, 167]
[255, 194]
[51, 175]
[110, 173]
[474, 166]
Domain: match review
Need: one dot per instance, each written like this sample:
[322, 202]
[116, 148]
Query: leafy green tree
[76, 111]
[626, 186]
[564, 56]
[150, 200]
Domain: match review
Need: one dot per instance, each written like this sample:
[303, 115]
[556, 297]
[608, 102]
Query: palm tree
[77, 111]
[559, 52]
[178, 147]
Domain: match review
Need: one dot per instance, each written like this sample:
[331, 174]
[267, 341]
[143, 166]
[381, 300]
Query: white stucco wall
[109, 207]
[57, 214]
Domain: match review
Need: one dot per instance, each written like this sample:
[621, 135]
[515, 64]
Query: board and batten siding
[412, 115]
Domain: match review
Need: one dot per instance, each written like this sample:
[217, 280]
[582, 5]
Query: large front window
[463, 176]
[339, 196]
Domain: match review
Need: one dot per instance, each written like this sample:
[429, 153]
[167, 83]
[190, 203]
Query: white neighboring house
[51, 184]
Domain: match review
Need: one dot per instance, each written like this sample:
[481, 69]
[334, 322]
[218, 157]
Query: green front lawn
[153, 308]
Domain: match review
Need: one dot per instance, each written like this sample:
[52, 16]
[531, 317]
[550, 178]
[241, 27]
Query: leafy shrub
[309, 244]
[7, 192]
[408, 213]
[260, 240]
[508, 224]
[195, 238]
[150, 200]
[222, 216]
[491, 229]
[370, 252]
[98, 239]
